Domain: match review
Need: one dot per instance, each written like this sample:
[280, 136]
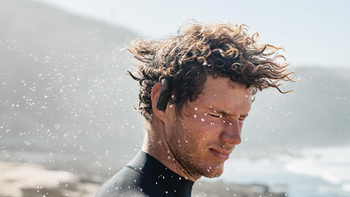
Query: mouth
[220, 154]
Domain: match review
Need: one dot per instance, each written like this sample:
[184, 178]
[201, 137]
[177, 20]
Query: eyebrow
[225, 113]
[245, 115]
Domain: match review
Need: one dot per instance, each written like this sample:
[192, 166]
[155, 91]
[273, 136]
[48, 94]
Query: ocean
[315, 172]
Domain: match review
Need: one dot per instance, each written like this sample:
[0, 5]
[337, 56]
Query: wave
[332, 164]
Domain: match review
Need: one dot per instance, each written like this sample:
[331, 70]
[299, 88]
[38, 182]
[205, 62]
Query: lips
[221, 154]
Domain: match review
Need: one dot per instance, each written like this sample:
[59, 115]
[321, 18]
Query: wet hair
[199, 50]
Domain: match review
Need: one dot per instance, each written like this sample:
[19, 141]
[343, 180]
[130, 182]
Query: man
[196, 90]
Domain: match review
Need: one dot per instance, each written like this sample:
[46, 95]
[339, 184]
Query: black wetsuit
[146, 176]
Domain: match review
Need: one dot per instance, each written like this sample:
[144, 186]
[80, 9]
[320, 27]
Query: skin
[198, 143]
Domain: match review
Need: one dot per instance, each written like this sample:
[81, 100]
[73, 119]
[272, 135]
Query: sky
[313, 32]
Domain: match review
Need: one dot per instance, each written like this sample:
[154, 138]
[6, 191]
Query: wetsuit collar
[160, 174]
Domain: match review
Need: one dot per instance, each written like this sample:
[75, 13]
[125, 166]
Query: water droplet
[202, 120]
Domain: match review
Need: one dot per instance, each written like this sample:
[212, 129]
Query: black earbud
[164, 95]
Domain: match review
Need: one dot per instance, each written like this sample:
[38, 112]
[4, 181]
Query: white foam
[314, 172]
[332, 164]
[346, 187]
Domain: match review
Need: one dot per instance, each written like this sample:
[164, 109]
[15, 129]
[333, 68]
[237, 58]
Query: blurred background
[66, 103]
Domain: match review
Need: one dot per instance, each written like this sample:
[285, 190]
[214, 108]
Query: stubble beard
[187, 155]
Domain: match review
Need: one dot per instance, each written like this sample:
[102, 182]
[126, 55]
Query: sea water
[315, 172]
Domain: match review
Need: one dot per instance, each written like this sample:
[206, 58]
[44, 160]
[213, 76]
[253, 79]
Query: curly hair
[199, 50]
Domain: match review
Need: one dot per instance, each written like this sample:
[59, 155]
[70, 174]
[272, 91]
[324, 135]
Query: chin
[213, 175]
[213, 172]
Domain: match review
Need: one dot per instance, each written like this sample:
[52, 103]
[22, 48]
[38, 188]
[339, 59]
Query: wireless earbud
[164, 95]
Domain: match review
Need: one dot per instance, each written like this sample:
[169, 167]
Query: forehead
[224, 93]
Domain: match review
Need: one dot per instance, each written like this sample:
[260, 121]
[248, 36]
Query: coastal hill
[64, 89]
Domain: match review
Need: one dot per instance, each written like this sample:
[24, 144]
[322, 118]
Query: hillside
[63, 87]
[316, 114]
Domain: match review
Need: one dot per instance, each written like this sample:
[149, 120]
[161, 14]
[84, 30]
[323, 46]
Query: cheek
[205, 125]
[200, 121]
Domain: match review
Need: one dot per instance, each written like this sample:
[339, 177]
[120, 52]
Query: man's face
[202, 140]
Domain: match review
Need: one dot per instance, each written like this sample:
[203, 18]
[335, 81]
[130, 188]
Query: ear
[154, 97]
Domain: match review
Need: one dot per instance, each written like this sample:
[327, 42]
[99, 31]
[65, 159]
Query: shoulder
[129, 182]
[121, 184]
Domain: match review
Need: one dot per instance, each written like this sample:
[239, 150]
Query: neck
[156, 145]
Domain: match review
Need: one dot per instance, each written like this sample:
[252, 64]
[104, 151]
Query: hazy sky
[312, 32]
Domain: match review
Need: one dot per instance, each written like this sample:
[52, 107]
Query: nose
[232, 133]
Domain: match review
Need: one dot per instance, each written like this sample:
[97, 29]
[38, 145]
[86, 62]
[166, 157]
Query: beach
[321, 172]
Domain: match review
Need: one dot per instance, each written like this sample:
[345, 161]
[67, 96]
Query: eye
[215, 115]
[242, 118]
